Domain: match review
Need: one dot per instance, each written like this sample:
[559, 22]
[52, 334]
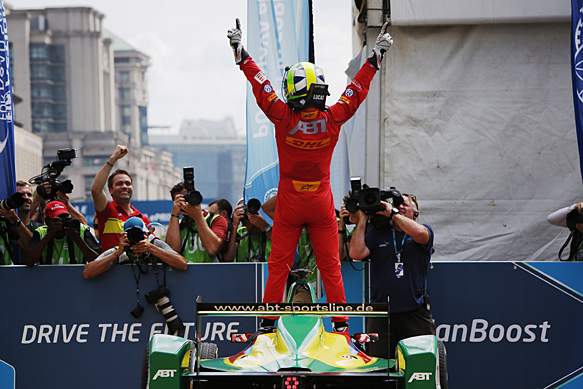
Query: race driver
[306, 132]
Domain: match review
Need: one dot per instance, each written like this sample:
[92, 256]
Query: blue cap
[134, 222]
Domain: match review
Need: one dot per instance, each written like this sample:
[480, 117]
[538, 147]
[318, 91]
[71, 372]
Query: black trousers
[403, 325]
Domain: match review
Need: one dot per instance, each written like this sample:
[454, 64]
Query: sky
[192, 73]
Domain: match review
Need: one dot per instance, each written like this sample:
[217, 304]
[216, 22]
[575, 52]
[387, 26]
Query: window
[122, 60]
[126, 119]
[38, 51]
[41, 127]
[98, 160]
[41, 110]
[38, 72]
[59, 111]
[124, 76]
[124, 93]
[59, 93]
[59, 127]
[57, 53]
[38, 23]
[40, 91]
[58, 73]
[88, 183]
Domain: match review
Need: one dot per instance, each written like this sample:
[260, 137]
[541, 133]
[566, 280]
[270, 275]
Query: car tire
[146, 367]
[209, 350]
[442, 365]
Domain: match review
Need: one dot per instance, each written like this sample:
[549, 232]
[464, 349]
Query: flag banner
[577, 71]
[278, 35]
[7, 172]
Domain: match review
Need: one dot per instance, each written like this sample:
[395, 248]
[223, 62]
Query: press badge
[399, 271]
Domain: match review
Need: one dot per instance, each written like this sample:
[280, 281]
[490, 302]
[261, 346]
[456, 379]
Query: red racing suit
[305, 143]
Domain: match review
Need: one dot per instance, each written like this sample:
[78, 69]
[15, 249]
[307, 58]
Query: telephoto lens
[15, 200]
[172, 320]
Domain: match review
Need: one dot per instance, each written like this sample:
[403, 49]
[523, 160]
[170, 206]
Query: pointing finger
[383, 29]
[238, 24]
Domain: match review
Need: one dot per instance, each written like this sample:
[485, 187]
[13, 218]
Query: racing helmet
[298, 82]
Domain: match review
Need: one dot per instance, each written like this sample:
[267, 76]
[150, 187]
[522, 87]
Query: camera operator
[38, 202]
[64, 240]
[112, 215]
[200, 235]
[400, 258]
[129, 252]
[572, 218]
[16, 229]
[252, 241]
[223, 208]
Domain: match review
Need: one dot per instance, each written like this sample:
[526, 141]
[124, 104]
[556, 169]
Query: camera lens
[253, 206]
[193, 198]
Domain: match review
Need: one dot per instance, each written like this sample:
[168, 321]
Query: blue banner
[7, 170]
[278, 36]
[505, 325]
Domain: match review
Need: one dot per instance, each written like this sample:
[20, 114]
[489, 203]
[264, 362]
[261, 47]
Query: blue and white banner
[7, 167]
[577, 70]
[278, 36]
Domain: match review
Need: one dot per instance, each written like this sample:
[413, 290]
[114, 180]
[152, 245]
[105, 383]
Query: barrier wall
[505, 324]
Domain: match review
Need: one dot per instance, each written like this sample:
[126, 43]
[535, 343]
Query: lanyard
[398, 253]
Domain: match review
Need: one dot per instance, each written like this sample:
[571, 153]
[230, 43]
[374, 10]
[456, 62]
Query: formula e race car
[297, 353]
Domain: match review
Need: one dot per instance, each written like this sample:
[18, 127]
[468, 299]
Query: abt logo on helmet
[420, 377]
[164, 374]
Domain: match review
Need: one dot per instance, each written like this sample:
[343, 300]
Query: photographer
[252, 241]
[200, 236]
[128, 251]
[112, 215]
[570, 217]
[16, 229]
[63, 241]
[400, 258]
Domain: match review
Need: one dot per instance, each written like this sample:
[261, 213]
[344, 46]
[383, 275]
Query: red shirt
[110, 224]
[306, 138]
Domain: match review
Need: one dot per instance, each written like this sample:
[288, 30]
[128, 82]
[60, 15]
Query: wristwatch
[394, 211]
[17, 223]
[267, 229]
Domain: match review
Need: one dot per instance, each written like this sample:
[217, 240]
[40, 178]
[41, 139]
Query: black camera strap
[51, 247]
[187, 222]
[576, 239]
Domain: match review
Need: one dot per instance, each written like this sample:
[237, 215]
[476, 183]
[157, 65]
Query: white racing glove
[382, 44]
[234, 35]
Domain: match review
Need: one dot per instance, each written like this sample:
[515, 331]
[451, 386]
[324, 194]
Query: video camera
[15, 200]
[193, 197]
[253, 206]
[50, 173]
[369, 199]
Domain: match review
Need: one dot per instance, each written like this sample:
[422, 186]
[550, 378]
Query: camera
[253, 206]
[70, 222]
[15, 200]
[135, 235]
[573, 218]
[159, 297]
[50, 173]
[369, 199]
[193, 197]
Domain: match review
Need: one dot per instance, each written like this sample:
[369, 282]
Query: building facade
[77, 92]
[215, 150]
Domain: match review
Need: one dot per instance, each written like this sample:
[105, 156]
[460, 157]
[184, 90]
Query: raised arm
[97, 192]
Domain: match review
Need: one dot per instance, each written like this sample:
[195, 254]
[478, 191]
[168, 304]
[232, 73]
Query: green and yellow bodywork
[302, 343]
